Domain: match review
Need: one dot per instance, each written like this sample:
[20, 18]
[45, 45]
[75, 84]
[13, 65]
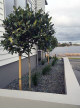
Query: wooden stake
[48, 58]
[20, 74]
[29, 71]
[42, 54]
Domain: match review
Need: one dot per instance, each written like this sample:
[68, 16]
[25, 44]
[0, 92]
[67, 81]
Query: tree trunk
[29, 71]
[20, 73]
[37, 56]
[37, 59]
[48, 56]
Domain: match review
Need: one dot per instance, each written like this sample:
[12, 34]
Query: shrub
[53, 62]
[42, 62]
[50, 57]
[46, 69]
[35, 79]
[55, 58]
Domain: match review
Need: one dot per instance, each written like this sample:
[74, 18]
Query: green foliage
[54, 60]
[24, 29]
[64, 44]
[50, 57]
[35, 79]
[47, 40]
[54, 43]
[21, 31]
[42, 62]
[46, 69]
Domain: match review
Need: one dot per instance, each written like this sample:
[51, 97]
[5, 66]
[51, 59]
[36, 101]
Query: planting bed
[51, 82]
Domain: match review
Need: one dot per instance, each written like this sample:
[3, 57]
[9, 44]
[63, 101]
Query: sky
[66, 19]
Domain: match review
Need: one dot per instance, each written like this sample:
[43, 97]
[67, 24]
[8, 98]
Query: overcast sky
[66, 18]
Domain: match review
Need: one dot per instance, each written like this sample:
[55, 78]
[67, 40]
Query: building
[8, 62]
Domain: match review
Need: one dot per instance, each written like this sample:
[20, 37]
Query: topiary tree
[13, 38]
[46, 41]
[53, 43]
[20, 35]
[31, 35]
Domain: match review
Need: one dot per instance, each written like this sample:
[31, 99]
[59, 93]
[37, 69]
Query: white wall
[8, 6]
[41, 4]
[33, 5]
[1, 17]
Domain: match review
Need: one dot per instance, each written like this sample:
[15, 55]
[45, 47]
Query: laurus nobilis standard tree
[20, 35]
[53, 43]
[46, 41]
[31, 35]
[43, 23]
[14, 36]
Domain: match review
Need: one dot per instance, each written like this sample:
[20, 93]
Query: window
[8, 7]
[21, 3]
[10, 3]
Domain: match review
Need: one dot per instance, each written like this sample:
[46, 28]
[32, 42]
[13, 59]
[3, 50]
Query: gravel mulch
[50, 83]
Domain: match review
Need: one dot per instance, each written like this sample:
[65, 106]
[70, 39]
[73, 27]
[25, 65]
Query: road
[76, 67]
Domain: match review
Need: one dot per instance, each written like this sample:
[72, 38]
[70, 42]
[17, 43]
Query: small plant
[55, 58]
[50, 57]
[42, 62]
[53, 62]
[46, 69]
[35, 79]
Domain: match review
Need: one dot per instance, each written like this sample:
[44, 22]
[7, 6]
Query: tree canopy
[20, 31]
[46, 39]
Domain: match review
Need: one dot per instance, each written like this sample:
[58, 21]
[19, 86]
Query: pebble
[51, 83]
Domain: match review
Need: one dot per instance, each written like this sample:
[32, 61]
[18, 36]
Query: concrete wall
[27, 99]
[10, 71]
